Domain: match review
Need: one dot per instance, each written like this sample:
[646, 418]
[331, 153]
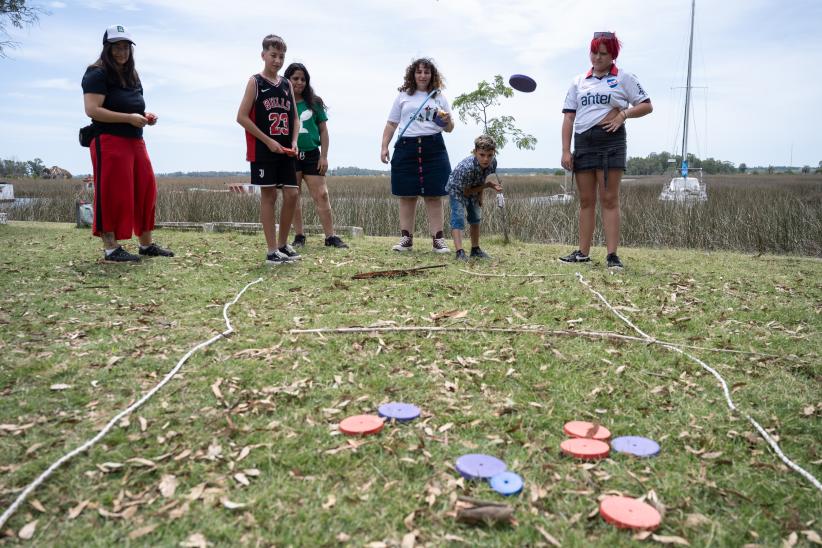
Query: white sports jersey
[406, 105]
[593, 98]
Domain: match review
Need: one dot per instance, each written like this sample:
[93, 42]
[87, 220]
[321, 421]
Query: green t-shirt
[309, 138]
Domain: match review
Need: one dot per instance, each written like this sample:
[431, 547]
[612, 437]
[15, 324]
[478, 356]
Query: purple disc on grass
[399, 411]
[478, 466]
[507, 483]
[523, 83]
[636, 446]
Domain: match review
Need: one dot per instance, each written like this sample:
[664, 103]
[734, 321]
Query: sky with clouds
[757, 101]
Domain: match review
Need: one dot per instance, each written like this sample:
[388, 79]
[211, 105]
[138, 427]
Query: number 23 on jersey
[279, 123]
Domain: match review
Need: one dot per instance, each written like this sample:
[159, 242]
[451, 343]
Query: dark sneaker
[576, 257]
[461, 255]
[406, 243]
[613, 261]
[120, 255]
[277, 258]
[477, 253]
[155, 250]
[289, 252]
[299, 240]
[335, 241]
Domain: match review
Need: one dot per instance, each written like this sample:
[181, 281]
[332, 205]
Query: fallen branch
[394, 273]
[478, 512]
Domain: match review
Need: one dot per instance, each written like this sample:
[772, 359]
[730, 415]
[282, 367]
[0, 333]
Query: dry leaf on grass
[453, 314]
[168, 485]
[548, 537]
[37, 506]
[670, 540]
[142, 531]
[791, 541]
[409, 540]
[78, 509]
[215, 388]
[58, 387]
[28, 530]
[195, 540]
[812, 536]
[231, 505]
[330, 502]
[712, 455]
[478, 512]
[695, 520]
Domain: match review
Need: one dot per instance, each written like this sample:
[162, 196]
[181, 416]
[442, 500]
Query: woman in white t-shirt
[420, 165]
[596, 108]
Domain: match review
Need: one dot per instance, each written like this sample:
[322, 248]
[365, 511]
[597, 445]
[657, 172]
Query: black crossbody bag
[87, 134]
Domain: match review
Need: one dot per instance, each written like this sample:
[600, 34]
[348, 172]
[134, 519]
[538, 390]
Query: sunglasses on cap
[603, 35]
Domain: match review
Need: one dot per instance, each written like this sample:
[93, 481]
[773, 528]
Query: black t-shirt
[118, 99]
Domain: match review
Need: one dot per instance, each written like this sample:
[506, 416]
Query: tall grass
[769, 214]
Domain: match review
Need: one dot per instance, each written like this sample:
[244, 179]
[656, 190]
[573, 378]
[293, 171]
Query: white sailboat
[689, 186]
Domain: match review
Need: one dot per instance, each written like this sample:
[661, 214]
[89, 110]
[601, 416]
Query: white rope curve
[767, 437]
[128, 410]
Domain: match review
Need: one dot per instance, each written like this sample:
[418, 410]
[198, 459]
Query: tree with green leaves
[17, 14]
[743, 167]
[477, 105]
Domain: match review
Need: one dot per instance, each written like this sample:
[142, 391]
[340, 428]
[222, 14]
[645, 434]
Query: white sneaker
[439, 246]
[405, 244]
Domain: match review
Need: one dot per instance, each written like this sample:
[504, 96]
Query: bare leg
[298, 210]
[408, 207]
[145, 238]
[586, 185]
[475, 232]
[268, 201]
[433, 206]
[456, 235]
[319, 194]
[609, 202]
[109, 241]
[290, 196]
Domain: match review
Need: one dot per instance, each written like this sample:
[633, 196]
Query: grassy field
[242, 447]
[748, 213]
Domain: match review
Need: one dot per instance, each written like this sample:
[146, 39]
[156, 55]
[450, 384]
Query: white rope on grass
[767, 437]
[130, 409]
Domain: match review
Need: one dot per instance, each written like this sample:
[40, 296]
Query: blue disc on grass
[507, 483]
[636, 446]
[478, 466]
[399, 411]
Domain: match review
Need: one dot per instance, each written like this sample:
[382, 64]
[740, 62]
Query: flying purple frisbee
[478, 466]
[523, 83]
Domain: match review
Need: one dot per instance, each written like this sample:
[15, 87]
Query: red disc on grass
[361, 425]
[582, 429]
[586, 449]
[628, 513]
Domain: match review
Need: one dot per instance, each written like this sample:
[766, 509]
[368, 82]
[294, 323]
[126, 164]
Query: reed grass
[765, 214]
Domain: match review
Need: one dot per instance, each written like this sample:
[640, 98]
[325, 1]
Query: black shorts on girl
[308, 162]
[278, 173]
[596, 148]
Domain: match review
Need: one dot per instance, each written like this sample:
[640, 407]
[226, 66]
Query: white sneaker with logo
[405, 244]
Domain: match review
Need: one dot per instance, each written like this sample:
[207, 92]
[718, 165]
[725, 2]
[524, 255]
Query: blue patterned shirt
[468, 173]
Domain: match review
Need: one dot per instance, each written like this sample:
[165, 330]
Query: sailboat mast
[688, 95]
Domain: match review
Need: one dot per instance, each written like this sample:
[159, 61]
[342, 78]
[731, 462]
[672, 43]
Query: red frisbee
[582, 429]
[586, 449]
[289, 151]
[361, 425]
[628, 513]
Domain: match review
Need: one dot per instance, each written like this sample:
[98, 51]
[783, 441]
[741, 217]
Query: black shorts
[278, 174]
[307, 162]
[596, 148]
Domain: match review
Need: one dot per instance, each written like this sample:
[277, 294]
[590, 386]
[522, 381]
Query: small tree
[476, 105]
[19, 15]
[806, 169]
[743, 167]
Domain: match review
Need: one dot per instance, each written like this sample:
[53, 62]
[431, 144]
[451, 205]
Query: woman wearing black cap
[125, 192]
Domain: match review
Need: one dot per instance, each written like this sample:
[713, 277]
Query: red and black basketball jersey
[272, 112]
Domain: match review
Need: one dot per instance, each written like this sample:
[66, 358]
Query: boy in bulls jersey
[268, 113]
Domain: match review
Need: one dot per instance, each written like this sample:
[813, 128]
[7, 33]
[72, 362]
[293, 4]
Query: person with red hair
[597, 105]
